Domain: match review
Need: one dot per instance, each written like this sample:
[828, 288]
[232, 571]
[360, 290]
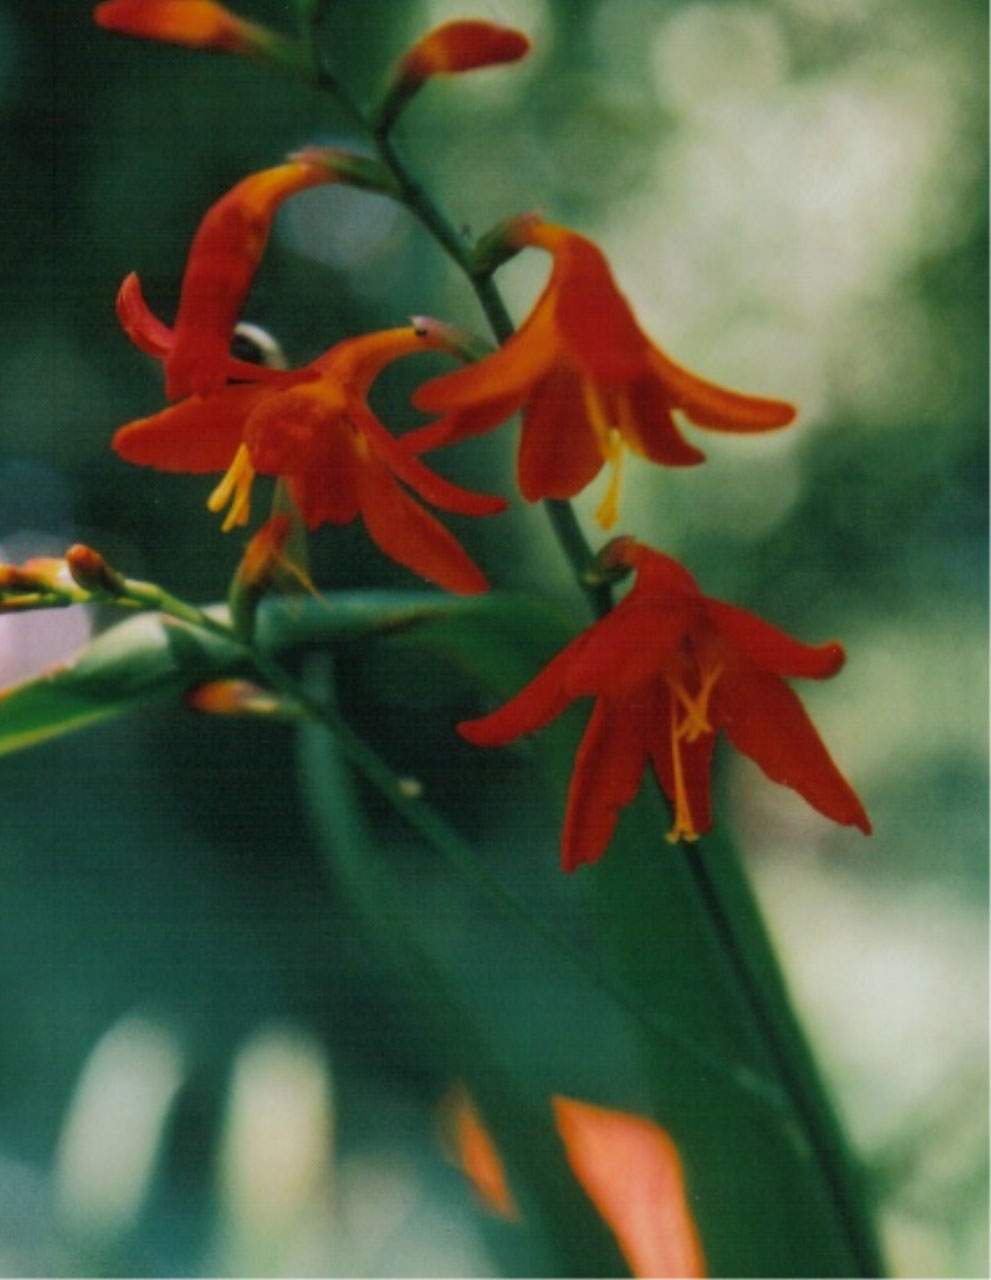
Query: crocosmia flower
[590, 383]
[224, 256]
[317, 432]
[669, 668]
[198, 24]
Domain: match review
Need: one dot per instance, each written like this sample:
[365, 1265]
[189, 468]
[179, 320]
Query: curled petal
[765, 720]
[708, 405]
[606, 778]
[648, 428]
[771, 649]
[144, 328]
[458, 426]
[225, 253]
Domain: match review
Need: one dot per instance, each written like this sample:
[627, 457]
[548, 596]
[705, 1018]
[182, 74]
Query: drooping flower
[197, 24]
[318, 433]
[450, 49]
[223, 258]
[669, 668]
[590, 383]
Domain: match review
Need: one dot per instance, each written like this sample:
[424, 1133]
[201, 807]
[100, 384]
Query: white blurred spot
[277, 1145]
[113, 1129]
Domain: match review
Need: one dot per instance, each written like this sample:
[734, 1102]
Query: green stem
[730, 906]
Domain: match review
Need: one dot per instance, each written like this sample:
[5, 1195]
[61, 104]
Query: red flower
[669, 668]
[315, 429]
[198, 24]
[224, 256]
[589, 381]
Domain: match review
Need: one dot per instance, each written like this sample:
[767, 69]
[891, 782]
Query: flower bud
[238, 698]
[264, 558]
[466, 346]
[450, 49]
[503, 241]
[197, 24]
[90, 571]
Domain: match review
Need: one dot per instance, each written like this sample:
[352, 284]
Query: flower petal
[506, 376]
[630, 646]
[144, 328]
[631, 1172]
[428, 484]
[559, 452]
[411, 536]
[608, 768]
[536, 704]
[708, 405]
[225, 253]
[771, 649]
[196, 436]
[459, 425]
[594, 320]
[648, 427]
[765, 720]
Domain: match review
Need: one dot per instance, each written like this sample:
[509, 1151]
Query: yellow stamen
[697, 708]
[688, 728]
[684, 826]
[235, 488]
[611, 446]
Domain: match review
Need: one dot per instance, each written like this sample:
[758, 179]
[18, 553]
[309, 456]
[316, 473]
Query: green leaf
[152, 657]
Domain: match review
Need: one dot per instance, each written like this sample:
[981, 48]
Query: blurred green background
[793, 193]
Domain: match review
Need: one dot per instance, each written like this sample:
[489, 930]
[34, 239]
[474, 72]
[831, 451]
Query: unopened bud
[448, 337]
[90, 571]
[503, 241]
[238, 698]
[196, 24]
[451, 49]
[613, 562]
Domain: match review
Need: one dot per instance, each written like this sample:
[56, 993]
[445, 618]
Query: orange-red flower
[590, 382]
[316, 430]
[223, 258]
[198, 24]
[669, 668]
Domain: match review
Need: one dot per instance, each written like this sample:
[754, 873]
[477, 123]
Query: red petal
[505, 377]
[459, 426]
[535, 706]
[411, 536]
[195, 436]
[631, 1172]
[630, 646]
[559, 453]
[144, 329]
[606, 777]
[765, 720]
[771, 649]
[428, 484]
[708, 405]
[222, 261]
[650, 430]
[477, 1155]
[594, 320]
